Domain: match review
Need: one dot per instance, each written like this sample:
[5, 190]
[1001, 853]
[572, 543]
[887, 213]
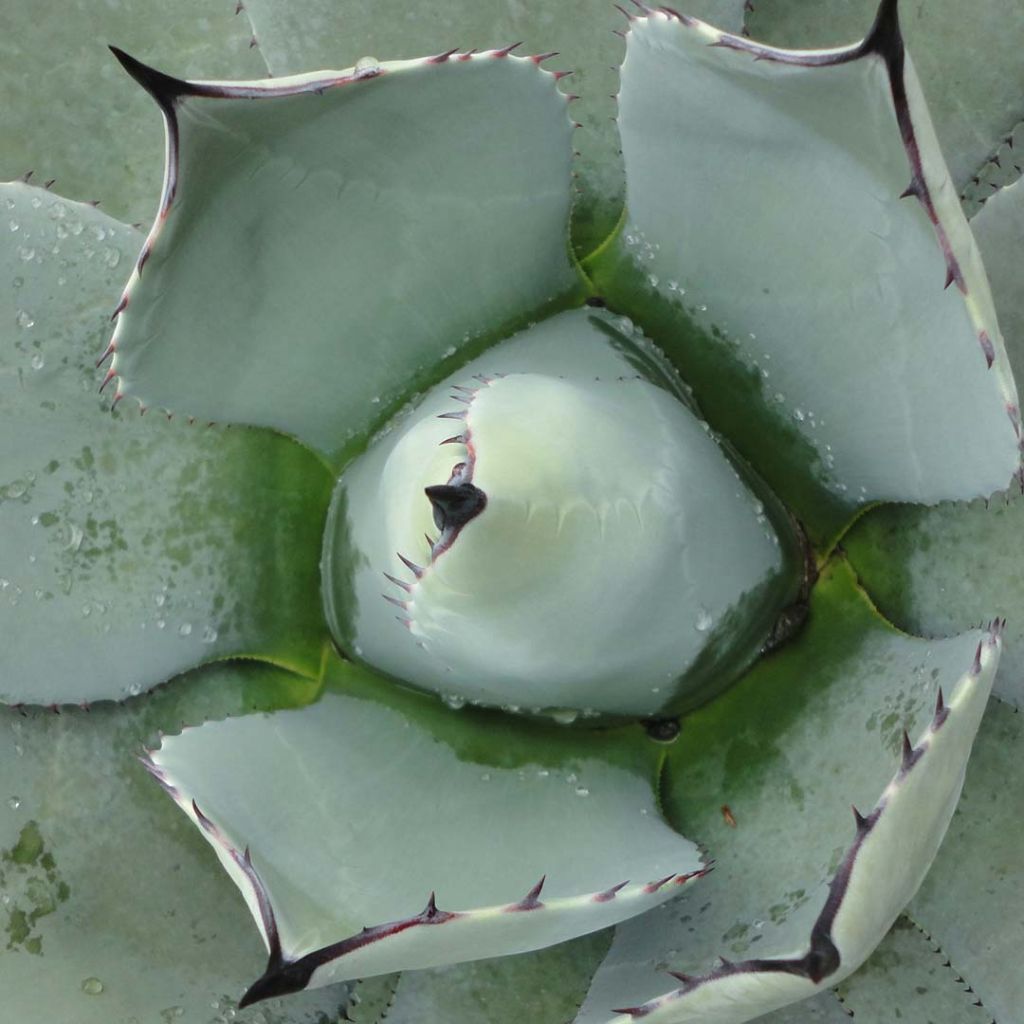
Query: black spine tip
[455, 505]
[885, 37]
[165, 89]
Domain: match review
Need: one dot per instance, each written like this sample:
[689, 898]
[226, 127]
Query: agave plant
[540, 585]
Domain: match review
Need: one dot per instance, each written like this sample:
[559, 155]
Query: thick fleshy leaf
[972, 902]
[824, 1008]
[580, 545]
[112, 909]
[324, 241]
[790, 225]
[130, 550]
[295, 35]
[1002, 170]
[543, 987]
[908, 974]
[968, 59]
[379, 831]
[68, 112]
[999, 228]
[936, 571]
[939, 570]
[765, 776]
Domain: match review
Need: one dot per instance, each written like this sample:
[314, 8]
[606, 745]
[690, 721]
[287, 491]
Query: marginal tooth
[407, 587]
[531, 901]
[655, 886]
[909, 754]
[976, 666]
[609, 894]
[416, 570]
[440, 58]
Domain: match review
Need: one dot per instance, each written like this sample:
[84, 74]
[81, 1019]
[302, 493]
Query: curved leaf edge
[285, 973]
[929, 185]
[167, 91]
[885, 41]
[823, 963]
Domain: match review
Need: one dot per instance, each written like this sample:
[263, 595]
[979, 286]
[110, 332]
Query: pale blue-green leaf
[325, 241]
[824, 1008]
[909, 974]
[765, 776]
[361, 811]
[68, 111]
[1003, 169]
[543, 987]
[968, 59]
[972, 902]
[856, 365]
[130, 549]
[112, 910]
[370, 998]
[939, 570]
[295, 35]
[596, 576]
[999, 228]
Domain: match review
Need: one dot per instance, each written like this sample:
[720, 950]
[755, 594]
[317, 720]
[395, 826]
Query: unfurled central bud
[577, 543]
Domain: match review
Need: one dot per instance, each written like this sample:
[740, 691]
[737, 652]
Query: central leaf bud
[547, 541]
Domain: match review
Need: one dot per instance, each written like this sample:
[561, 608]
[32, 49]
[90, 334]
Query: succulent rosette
[499, 562]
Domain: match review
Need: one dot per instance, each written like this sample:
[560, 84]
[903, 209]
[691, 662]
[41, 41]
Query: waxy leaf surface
[789, 230]
[802, 890]
[324, 241]
[131, 549]
[376, 833]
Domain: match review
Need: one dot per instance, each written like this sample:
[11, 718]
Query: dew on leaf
[704, 621]
[24, 320]
[92, 986]
[14, 802]
[185, 629]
